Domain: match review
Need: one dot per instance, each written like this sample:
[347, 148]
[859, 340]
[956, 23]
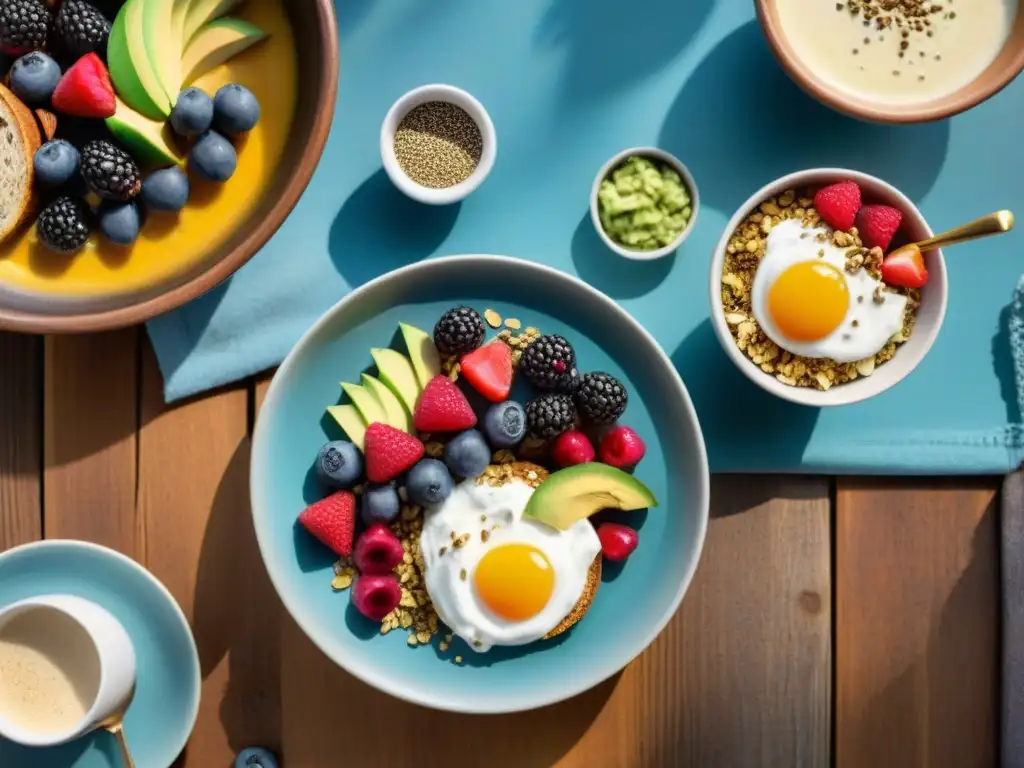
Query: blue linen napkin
[704, 86]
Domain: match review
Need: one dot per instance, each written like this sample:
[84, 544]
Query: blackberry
[549, 363]
[550, 415]
[110, 172]
[64, 225]
[459, 331]
[24, 26]
[81, 28]
[601, 398]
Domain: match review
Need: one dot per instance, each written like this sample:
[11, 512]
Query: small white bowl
[451, 95]
[908, 355]
[652, 153]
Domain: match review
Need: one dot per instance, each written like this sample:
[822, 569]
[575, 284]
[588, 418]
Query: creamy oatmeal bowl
[897, 61]
[805, 298]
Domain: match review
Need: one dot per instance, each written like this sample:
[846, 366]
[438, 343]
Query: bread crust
[31, 140]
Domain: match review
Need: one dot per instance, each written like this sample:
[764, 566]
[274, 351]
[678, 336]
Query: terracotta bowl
[1007, 65]
[313, 23]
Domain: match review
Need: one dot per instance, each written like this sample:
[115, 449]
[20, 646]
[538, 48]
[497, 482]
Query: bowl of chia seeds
[438, 144]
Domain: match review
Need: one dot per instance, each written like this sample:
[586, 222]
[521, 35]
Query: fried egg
[511, 580]
[806, 302]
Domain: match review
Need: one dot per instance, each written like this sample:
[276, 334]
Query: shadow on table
[619, 278]
[936, 691]
[379, 229]
[608, 47]
[740, 122]
[743, 425]
[237, 614]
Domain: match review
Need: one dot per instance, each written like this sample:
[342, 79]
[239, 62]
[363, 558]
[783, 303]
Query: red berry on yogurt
[572, 448]
[622, 447]
[376, 596]
[617, 541]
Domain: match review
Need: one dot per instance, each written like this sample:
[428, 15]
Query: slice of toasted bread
[19, 140]
[585, 601]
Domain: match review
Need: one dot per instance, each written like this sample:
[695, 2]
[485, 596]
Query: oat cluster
[438, 145]
[744, 252]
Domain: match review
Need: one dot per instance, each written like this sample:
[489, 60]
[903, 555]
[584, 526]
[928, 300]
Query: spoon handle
[993, 224]
[117, 730]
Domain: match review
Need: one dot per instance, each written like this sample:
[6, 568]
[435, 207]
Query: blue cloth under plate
[567, 87]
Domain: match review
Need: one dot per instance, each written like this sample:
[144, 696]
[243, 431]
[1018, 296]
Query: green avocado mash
[644, 206]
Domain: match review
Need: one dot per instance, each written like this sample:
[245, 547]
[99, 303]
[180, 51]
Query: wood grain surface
[916, 623]
[760, 667]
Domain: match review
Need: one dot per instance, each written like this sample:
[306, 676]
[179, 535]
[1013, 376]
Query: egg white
[473, 508]
[789, 243]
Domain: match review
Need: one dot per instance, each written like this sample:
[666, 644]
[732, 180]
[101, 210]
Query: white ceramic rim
[834, 396]
[595, 209]
[573, 686]
[452, 95]
[58, 602]
[193, 712]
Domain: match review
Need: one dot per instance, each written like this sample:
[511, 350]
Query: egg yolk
[808, 301]
[515, 581]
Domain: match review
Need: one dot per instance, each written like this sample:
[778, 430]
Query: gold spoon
[993, 224]
[114, 725]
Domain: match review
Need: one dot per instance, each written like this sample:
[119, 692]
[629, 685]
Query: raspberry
[376, 596]
[377, 550]
[837, 204]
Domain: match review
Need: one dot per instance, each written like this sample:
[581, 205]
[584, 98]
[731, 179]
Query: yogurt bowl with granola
[805, 298]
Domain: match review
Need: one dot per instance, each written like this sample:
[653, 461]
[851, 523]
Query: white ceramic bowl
[929, 316]
[654, 154]
[451, 95]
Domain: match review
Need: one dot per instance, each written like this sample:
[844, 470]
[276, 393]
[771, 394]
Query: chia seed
[438, 145]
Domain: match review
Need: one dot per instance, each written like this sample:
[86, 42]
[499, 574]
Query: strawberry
[489, 370]
[332, 521]
[877, 224]
[905, 269]
[838, 203]
[622, 447]
[443, 408]
[617, 541]
[86, 90]
[389, 452]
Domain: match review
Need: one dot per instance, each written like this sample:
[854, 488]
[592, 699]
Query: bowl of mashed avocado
[644, 203]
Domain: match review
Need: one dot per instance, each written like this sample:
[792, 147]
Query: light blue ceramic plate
[166, 701]
[633, 604]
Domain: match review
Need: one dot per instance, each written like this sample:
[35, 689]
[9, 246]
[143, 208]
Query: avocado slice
[366, 403]
[348, 419]
[397, 416]
[216, 43]
[201, 12]
[426, 362]
[396, 371]
[163, 45]
[572, 494]
[130, 68]
[149, 141]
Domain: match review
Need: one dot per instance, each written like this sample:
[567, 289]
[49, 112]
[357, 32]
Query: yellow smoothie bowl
[1000, 72]
[294, 75]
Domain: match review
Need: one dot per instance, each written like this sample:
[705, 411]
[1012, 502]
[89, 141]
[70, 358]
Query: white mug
[104, 648]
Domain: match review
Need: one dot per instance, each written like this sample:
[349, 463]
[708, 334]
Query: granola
[744, 252]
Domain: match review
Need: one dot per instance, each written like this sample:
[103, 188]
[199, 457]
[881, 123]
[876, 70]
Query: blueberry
[379, 505]
[505, 424]
[467, 455]
[255, 757]
[120, 222]
[166, 190]
[428, 482]
[192, 113]
[56, 163]
[339, 464]
[235, 110]
[213, 157]
[34, 78]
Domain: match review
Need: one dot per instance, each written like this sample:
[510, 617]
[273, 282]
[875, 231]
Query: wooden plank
[90, 419]
[21, 428]
[194, 507]
[740, 678]
[916, 623]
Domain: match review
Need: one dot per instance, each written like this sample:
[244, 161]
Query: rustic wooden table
[845, 619]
